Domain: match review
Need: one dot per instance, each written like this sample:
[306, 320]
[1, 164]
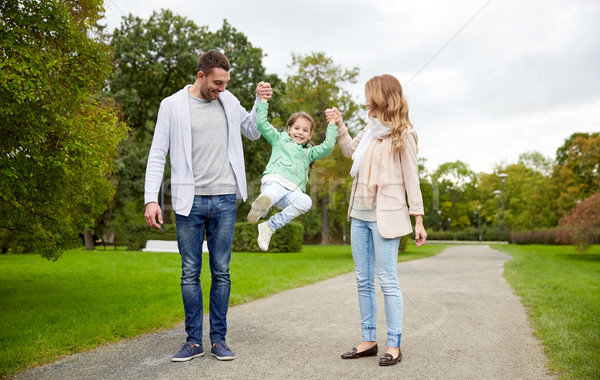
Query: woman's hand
[420, 233]
[334, 116]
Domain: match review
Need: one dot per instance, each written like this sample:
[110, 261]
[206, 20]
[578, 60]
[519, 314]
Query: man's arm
[156, 166]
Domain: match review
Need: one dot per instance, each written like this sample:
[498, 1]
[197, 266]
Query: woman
[385, 171]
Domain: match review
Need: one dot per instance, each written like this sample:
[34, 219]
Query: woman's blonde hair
[388, 105]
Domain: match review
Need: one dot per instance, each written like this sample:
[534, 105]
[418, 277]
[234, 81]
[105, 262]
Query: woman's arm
[347, 143]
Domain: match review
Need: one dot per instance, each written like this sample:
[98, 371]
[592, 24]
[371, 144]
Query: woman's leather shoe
[355, 355]
[388, 359]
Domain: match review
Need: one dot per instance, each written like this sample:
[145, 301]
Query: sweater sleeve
[326, 147]
[347, 143]
[158, 152]
[266, 129]
[410, 172]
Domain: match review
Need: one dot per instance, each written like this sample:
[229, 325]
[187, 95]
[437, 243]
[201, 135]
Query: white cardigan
[173, 133]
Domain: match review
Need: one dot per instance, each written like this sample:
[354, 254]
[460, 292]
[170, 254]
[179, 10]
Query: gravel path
[462, 321]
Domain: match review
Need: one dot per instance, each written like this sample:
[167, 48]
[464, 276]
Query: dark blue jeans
[215, 217]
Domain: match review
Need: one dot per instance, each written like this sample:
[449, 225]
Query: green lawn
[86, 298]
[561, 291]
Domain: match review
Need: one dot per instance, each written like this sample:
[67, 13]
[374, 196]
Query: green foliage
[287, 239]
[467, 234]
[317, 83]
[582, 225]
[136, 235]
[547, 236]
[560, 290]
[57, 141]
[155, 58]
[576, 174]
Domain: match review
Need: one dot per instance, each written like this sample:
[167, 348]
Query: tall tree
[456, 186]
[156, 57]
[57, 140]
[317, 84]
[576, 175]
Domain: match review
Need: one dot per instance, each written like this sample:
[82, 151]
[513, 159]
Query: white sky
[485, 80]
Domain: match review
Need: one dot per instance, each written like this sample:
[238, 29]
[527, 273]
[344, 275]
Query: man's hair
[211, 59]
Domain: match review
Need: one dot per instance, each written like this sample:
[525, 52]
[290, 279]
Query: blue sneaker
[188, 352]
[221, 351]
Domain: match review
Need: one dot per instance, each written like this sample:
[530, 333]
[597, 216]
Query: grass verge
[87, 298]
[561, 290]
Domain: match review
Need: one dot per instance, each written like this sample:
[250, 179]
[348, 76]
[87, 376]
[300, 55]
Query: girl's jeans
[291, 203]
[215, 216]
[375, 255]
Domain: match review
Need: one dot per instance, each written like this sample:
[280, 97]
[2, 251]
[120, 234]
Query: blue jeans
[375, 255]
[215, 216]
[291, 203]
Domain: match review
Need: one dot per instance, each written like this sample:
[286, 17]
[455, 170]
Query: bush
[136, 235]
[547, 236]
[468, 234]
[581, 226]
[405, 241]
[287, 239]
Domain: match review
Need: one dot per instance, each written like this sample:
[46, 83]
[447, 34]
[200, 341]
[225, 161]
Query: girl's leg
[292, 204]
[270, 193]
[364, 265]
[386, 262]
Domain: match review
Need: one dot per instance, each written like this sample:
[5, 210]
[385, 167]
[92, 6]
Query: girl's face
[300, 131]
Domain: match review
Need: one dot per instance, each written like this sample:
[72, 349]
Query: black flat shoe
[352, 354]
[388, 359]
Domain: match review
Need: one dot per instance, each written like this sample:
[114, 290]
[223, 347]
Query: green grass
[561, 290]
[87, 298]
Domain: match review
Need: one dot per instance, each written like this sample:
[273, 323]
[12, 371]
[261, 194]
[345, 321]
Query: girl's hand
[264, 91]
[334, 116]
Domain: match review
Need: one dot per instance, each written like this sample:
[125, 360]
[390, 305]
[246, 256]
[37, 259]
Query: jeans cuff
[393, 340]
[369, 334]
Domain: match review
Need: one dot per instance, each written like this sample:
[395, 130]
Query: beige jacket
[393, 218]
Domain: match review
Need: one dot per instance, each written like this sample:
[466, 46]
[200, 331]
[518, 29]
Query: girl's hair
[388, 105]
[295, 116]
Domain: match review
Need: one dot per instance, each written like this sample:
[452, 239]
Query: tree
[576, 175]
[581, 226]
[57, 140]
[315, 86]
[456, 186]
[155, 58]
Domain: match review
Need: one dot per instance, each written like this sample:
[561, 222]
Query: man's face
[213, 84]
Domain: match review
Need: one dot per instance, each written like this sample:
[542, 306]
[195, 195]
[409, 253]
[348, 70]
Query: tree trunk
[88, 240]
[324, 221]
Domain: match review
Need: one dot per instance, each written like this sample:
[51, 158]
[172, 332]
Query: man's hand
[264, 91]
[153, 212]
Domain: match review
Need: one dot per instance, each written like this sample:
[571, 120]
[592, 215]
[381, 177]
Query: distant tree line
[78, 113]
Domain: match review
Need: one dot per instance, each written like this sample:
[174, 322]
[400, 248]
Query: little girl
[285, 177]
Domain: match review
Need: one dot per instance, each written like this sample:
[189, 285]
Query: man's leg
[190, 236]
[219, 232]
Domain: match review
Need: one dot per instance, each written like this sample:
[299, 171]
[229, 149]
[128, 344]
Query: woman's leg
[364, 265]
[386, 262]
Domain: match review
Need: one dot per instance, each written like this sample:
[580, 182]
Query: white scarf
[375, 130]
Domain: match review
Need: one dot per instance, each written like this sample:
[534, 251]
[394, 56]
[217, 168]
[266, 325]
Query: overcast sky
[485, 80]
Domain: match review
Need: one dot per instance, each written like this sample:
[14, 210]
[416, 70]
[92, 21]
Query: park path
[462, 321]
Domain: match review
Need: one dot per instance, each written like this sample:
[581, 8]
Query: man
[200, 125]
